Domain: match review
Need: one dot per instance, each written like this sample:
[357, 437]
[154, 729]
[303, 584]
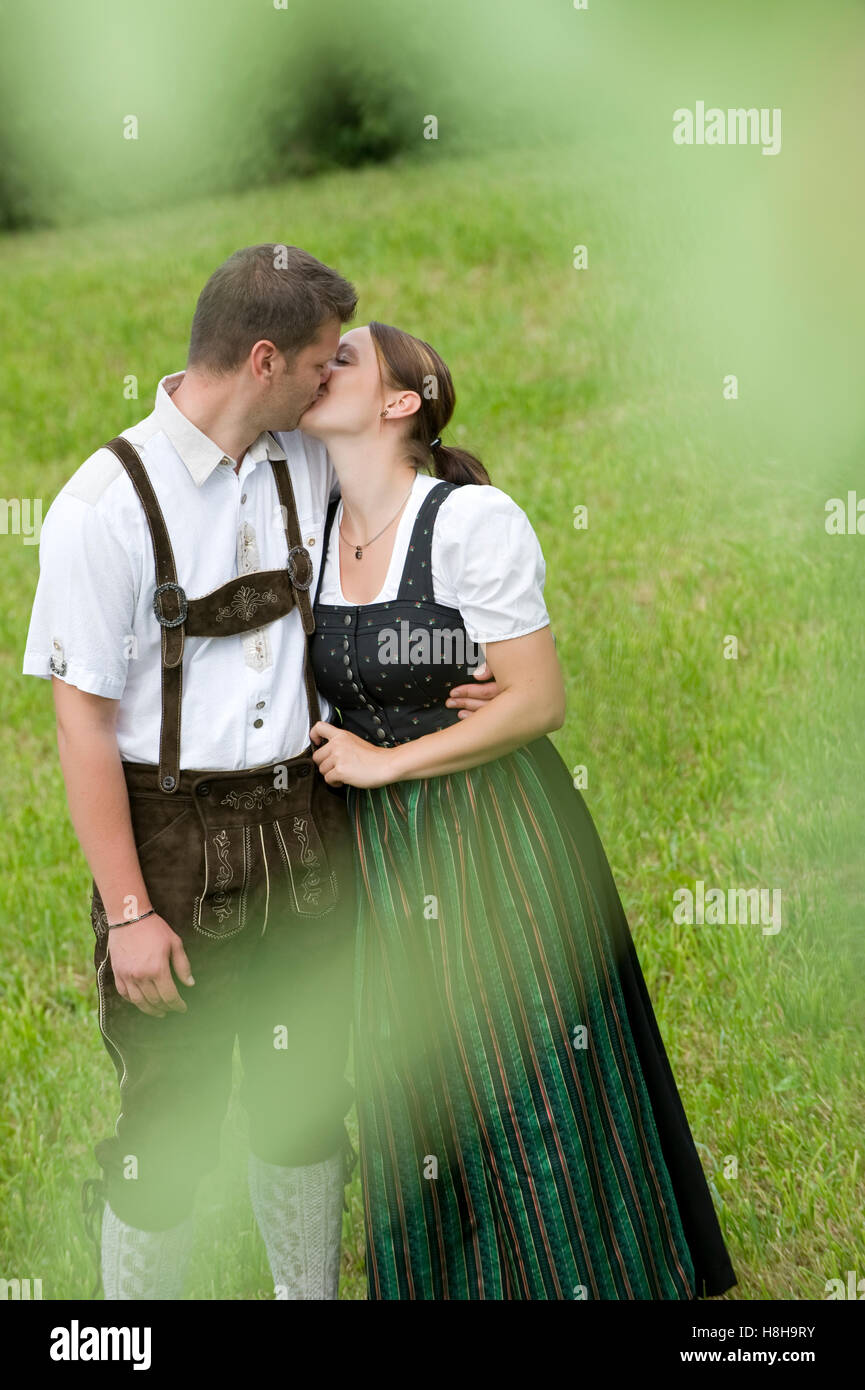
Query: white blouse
[486, 561]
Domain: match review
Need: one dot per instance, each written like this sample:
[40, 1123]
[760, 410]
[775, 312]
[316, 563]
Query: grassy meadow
[599, 388]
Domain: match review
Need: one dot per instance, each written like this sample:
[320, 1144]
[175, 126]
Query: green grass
[705, 519]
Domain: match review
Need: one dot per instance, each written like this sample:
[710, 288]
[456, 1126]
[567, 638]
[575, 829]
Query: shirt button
[260, 705]
[257, 723]
[243, 498]
[311, 540]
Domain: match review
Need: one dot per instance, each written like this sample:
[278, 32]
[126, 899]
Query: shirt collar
[197, 452]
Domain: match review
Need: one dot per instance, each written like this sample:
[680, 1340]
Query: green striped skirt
[521, 1134]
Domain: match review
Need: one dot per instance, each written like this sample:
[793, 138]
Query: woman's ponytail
[458, 466]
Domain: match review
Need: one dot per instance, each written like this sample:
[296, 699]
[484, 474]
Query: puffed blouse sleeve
[488, 563]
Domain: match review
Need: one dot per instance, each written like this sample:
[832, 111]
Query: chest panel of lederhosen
[245, 602]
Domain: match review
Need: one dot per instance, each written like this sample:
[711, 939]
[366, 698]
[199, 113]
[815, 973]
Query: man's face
[303, 377]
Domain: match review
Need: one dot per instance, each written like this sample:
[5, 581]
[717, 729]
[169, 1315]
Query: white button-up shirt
[93, 624]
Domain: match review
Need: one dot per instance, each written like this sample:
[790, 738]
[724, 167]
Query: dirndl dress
[521, 1132]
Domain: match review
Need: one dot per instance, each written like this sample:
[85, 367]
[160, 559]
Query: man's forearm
[99, 809]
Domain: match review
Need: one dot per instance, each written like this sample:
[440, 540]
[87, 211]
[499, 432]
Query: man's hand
[466, 698]
[140, 956]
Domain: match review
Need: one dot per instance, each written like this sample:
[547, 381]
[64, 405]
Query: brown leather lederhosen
[231, 608]
[297, 801]
[249, 863]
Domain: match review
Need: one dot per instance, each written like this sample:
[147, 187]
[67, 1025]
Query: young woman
[521, 1134]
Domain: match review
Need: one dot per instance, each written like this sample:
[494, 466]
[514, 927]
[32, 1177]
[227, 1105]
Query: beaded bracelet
[127, 921]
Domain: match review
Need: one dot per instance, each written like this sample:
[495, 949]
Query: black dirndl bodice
[389, 667]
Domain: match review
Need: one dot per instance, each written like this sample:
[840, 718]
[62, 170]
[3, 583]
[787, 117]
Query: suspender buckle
[181, 598]
[304, 580]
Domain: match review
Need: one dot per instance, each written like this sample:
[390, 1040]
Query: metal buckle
[290, 566]
[170, 622]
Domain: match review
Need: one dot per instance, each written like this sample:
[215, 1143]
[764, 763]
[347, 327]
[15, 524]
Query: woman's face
[353, 397]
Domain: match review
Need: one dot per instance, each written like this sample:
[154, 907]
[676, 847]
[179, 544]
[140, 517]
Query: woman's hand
[345, 758]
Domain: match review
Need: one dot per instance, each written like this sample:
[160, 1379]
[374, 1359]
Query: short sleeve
[488, 563]
[81, 623]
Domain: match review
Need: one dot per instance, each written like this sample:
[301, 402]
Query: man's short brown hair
[269, 291]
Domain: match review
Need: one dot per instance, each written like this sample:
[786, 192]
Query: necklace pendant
[358, 554]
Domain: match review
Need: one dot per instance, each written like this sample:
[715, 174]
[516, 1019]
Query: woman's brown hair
[409, 364]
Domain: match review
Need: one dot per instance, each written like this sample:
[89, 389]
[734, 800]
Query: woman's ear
[401, 406]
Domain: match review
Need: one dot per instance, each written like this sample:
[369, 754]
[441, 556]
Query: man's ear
[264, 357]
[402, 405]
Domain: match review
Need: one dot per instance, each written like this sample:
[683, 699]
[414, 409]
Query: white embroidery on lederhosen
[258, 797]
[310, 884]
[245, 603]
[222, 901]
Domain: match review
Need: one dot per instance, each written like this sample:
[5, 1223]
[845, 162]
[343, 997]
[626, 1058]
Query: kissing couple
[314, 839]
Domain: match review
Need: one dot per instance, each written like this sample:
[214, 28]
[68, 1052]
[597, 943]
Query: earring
[383, 413]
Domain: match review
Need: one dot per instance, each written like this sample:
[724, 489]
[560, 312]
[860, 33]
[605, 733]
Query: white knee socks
[299, 1215]
[143, 1264]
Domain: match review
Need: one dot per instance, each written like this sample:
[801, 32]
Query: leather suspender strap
[285, 492]
[171, 599]
[179, 615]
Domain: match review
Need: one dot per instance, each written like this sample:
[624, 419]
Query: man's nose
[325, 374]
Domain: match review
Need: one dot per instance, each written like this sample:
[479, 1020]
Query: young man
[172, 615]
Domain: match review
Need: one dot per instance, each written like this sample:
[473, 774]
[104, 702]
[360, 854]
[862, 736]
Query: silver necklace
[357, 547]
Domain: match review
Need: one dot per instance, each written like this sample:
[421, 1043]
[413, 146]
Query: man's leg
[299, 1215]
[143, 1264]
[175, 1079]
[294, 1036]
